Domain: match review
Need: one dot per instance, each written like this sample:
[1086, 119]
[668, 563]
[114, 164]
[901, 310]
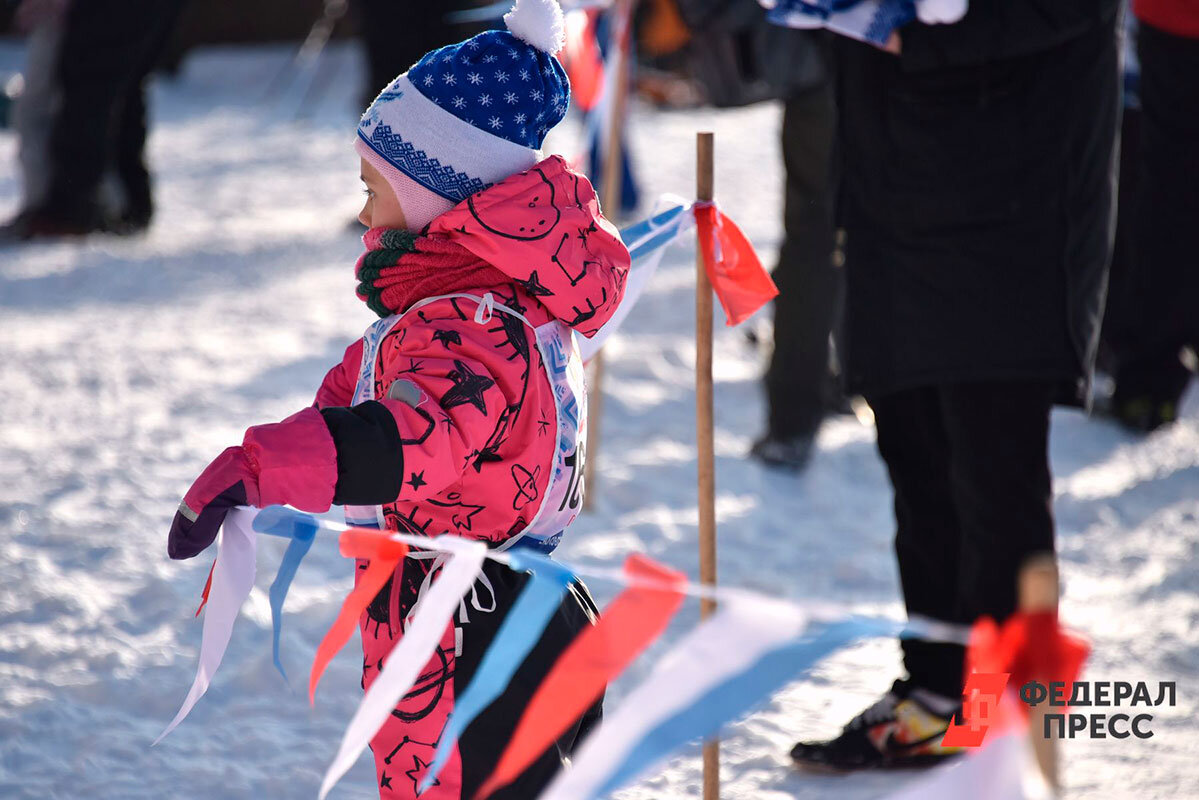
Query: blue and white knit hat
[470, 114]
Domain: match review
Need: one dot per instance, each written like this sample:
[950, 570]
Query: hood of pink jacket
[544, 229]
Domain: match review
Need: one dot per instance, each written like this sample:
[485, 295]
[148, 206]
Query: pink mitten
[292, 462]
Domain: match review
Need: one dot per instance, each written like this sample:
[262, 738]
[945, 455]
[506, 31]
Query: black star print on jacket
[468, 388]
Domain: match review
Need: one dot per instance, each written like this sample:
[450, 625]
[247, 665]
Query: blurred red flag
[737, 276]
[581, 57]
[1030, 646]
[384, 555]
[626, 627]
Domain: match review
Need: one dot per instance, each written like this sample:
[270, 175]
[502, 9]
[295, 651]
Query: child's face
[382, 209]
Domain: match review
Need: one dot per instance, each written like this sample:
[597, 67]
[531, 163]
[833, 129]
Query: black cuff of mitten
[370, 458]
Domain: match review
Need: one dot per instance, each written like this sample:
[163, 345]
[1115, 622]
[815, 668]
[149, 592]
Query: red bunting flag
[626, 627]
[384, 554]
[737, 276]
[582, 59]
[207, 589]
[1029, 646]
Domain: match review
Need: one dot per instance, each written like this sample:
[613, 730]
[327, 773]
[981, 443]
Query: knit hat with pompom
[470, 114]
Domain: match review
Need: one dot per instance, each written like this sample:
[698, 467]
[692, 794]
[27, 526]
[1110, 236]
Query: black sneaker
[902, 730]
[38, 223]
[1147, 392]
[1143, 413]
[790, 454]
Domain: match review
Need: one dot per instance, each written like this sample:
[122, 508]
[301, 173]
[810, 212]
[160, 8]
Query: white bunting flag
[1002, 769]
[647, 242]
[232, 580]
[724, 668]
[403, 666]
[726, 644]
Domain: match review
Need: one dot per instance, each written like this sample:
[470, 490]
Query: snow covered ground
[126, 364]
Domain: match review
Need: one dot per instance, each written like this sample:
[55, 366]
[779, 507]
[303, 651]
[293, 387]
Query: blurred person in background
[1153, 303]
[83, 132]
[740, 58]
[396, 33]
[977, 196]
[33, 111]
[800, 388]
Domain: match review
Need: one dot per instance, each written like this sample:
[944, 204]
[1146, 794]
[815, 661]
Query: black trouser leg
[108, 48]
[1154, 299]
[969, 466]
[915, 447]
[1166, 205]
[999, 467]
[798, 377]
[130, 161]
[483, 742]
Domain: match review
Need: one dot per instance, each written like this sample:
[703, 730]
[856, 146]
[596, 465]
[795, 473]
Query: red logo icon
[982, 693]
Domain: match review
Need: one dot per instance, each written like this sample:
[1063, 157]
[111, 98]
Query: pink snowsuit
[475, 416]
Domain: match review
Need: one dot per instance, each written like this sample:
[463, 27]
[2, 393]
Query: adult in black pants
[973, 499]
[799, 386]
[977, 198]
[1152, 311]
[106, 50]
[397, 33]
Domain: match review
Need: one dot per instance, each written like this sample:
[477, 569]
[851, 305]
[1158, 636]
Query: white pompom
[539, 23]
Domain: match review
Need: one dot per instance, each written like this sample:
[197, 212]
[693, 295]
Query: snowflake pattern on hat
[496, 82]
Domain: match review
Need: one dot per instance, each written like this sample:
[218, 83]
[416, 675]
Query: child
[462, 410]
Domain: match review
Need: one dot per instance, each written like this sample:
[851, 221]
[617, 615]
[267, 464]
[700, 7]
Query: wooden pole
[1038, 592]
[611, 187]
[704, 424]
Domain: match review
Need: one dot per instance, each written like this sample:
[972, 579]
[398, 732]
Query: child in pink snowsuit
[461, 410]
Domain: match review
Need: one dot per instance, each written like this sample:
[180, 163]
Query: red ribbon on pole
[1030, 646]
[740, 281]
[384, 554]
[626, 627]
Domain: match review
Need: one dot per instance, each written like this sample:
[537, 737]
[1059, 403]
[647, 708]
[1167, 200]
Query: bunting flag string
[724, 667]
[723, 685]
[629, 624]
[522, 627]
[402, 667]
[280, 518]
[232, 579]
